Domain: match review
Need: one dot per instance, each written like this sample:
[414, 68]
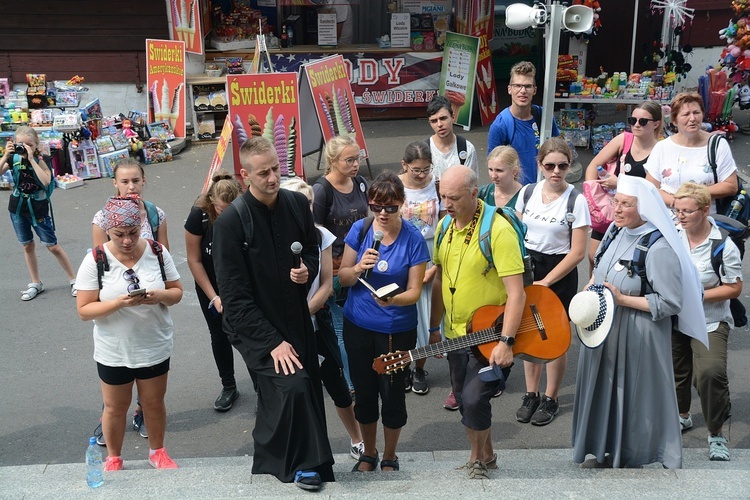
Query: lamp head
[520, 16]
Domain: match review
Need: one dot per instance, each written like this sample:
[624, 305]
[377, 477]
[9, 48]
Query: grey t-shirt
[339, 214]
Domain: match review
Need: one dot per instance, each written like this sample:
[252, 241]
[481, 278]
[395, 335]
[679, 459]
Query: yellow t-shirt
[462, 267]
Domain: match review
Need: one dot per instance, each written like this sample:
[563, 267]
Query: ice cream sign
[458, 74]
[165, 68]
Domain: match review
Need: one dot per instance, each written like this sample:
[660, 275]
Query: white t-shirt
[135, 337]
[327, 239]
[442, 161]
[344, 15]
[673, 165]
[548, 230]
[422, 208]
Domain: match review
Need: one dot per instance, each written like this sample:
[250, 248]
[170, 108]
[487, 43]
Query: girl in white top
[421, 208]
[331, 367]
[132, 333]
[556, 248]
[683, 157]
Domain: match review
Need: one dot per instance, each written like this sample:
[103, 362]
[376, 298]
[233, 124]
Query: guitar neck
[468, 340]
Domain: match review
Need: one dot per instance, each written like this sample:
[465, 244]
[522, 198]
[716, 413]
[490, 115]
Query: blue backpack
[485, 238]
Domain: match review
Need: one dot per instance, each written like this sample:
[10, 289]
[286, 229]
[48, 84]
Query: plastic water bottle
[290, 35]
[94, 465]
[737, 204]
[603, 174]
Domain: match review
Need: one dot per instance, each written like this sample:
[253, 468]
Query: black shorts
[120, 375]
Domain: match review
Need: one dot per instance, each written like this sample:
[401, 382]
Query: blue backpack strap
[485, 235]
[45, 191]
[442, 229]
[609, 237]
[639, 257]
[153, 218]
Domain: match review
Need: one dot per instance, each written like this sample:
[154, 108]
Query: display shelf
[206, 83]
[594, 100]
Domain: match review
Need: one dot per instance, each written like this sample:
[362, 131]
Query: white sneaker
[686, 422]
[356, 450]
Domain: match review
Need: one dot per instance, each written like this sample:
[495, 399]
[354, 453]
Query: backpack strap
[243, 210]
[153, 218]
[609, 237]
[44, 193]
[461, 148]
[717, 251]
[365, 227]
[713, 148]
[328, 190]
[536, 112]
[528, 192]
[627, 143]
[102, 264]
[639, 257]
[158, 250]
[442, 229]
[574, 194]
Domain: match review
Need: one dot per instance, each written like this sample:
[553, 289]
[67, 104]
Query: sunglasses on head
[133, 280]
[549, 167]
[632, 120]
[389, 209]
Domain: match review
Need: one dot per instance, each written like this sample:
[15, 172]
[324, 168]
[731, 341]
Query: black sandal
[373, 461]
[393, 464]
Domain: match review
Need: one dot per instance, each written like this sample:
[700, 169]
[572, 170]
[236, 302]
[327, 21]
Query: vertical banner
[486, 90]
[165, 77]
[333, 99]
[473, 16]
[221, 149]
[267, 105]
[458, 75]
[186, 24]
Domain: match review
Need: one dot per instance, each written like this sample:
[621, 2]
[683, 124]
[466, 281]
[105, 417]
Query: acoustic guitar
[543, 335]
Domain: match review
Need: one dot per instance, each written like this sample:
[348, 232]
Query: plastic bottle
[284, 37]
[736, 206]
[603, 174]
[290, 35]
[94, 465]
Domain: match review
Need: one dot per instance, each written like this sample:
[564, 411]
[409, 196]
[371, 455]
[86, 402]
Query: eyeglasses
[420, 171]
[549, 167]
[632, 120]
[518, 86]
[622, 204]
[389, 209]
[351, 161]
[678, 212]
[133, 280]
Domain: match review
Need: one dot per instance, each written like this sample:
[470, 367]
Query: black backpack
[460, 148]
[724, 205]
[738, 232]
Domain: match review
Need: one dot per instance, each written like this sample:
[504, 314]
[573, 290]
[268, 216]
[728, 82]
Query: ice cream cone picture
[185, 23]
[155, 100]
[457, 100]
[174, 110]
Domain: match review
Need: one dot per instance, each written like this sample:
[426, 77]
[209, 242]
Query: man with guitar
[461, 285]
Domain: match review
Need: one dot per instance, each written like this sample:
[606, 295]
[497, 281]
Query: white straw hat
[592, 311]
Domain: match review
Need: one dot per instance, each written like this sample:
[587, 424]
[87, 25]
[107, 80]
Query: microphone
[377, 237]
[296, 250]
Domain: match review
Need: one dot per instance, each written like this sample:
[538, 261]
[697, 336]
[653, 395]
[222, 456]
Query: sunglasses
[132, 279]
[549, 167]
[632, 120]
[389, 209]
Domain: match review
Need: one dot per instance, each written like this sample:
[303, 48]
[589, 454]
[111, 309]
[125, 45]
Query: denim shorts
[44, 229]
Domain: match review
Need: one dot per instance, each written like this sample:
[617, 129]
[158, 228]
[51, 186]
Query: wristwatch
[509, 341]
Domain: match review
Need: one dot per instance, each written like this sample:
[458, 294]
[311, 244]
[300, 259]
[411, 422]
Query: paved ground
[51, 399]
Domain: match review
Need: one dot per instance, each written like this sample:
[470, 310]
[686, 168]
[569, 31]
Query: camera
[20, 149]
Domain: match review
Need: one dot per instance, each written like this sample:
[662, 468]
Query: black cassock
[262, 308]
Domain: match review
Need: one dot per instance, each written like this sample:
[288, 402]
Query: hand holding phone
[137, 292]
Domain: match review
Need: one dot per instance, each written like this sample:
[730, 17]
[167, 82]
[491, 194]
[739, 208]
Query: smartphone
[137, 292]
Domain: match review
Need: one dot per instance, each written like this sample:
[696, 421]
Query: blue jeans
[337, 317]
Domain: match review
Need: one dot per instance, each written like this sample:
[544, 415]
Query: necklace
[547, 197]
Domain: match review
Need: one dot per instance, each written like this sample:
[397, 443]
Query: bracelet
[210, 304]
[433, 330]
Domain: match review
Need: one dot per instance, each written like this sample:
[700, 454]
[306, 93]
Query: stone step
[522, 474]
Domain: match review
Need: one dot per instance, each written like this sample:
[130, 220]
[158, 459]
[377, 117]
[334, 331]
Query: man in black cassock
[267, 319]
